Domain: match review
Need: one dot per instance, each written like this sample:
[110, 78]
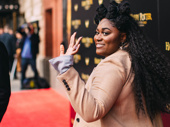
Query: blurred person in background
[9, 42]
[5, 90]
[29, 50]
[1, 31]
[19, 37]
[11, 32]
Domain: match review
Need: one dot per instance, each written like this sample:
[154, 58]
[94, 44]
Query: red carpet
[37, 108]
[42, 108]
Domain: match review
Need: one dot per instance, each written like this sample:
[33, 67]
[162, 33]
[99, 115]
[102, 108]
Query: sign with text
[150, 16]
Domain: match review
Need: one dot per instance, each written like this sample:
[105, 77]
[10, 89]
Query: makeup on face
[107, 38]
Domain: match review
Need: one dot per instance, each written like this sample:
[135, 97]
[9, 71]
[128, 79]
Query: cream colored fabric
[107, 99]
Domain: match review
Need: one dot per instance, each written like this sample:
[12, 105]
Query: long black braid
[151, 68]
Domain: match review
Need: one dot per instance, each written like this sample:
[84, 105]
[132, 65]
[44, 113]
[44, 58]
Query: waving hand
[73, 46]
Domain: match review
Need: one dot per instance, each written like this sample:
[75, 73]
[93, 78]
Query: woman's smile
[99, 45]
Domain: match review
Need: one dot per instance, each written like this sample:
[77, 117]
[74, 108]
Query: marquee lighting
[6, 6]
[9, 7]
[16, 6]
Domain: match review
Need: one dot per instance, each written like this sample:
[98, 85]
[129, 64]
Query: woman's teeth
[99, 45]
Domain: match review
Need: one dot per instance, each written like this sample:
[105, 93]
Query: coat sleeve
[106, 85]
[5, 89]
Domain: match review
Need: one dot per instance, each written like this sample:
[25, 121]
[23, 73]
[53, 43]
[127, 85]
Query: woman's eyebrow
[106, 28]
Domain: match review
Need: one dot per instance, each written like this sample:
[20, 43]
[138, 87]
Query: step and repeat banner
[151, 15]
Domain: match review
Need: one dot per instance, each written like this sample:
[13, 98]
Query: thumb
[61, 50]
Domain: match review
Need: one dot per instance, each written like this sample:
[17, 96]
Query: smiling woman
[108, 38]
[130, 87]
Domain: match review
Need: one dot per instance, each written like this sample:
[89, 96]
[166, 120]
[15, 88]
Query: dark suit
[9, 42]
[5, 89]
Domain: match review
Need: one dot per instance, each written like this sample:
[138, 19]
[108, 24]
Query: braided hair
[151, 69]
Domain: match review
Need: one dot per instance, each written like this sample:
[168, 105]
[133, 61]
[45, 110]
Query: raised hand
[73, 46]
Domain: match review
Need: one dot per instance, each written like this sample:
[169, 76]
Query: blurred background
[48, 20]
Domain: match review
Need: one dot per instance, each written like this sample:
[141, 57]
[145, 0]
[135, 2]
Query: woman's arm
[108, 80]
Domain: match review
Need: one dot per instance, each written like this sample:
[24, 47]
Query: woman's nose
[99, 37]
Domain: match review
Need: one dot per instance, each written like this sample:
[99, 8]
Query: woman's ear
[123, 37]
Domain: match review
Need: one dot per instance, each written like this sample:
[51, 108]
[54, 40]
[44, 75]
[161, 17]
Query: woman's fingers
[77, 46]
[74, 45]
[72, 39]
[77, 43]
[61, 50]
[79, 39]
[77, 49]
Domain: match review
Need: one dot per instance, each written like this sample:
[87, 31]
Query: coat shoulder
[120, 58]
[117, 62]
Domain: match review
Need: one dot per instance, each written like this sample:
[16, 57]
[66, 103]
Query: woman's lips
[99, 45]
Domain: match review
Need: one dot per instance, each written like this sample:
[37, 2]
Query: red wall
[55, 7]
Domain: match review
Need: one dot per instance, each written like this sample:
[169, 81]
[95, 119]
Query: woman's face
[107, 38]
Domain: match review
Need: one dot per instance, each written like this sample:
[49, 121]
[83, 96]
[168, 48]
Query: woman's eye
[105, 33]
[96, 33]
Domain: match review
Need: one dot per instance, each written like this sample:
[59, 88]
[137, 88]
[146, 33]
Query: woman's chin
[100, 53]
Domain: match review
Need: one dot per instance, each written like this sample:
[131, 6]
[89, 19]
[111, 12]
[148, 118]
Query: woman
[130, 87]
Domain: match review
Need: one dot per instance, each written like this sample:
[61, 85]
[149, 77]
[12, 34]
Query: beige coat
[107, 99]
